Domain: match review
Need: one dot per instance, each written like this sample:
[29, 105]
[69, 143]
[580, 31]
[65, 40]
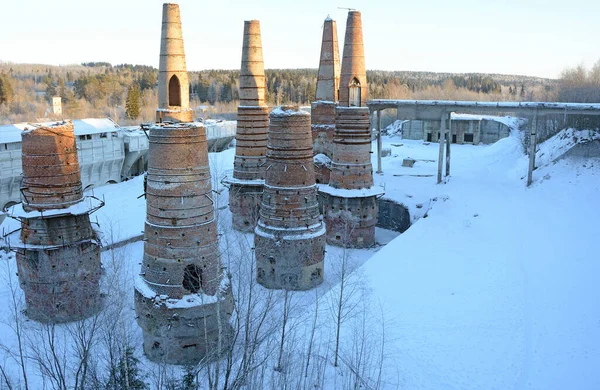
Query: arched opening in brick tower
[174, 91]
[354, 93]
[192, 278]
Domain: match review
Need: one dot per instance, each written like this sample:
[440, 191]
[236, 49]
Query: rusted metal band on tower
[289, 238]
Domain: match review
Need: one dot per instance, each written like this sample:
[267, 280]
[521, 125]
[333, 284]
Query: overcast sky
[528, 37]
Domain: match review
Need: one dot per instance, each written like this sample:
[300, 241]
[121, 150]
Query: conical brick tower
[323, 110]
[290, 236]
[173, 84]
[350, 199]
[58, 253]
[353, 79]
[182, 299]
[246, 183]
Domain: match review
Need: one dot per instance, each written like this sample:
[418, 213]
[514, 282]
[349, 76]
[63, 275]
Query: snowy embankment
[498, 287]
[494, 286]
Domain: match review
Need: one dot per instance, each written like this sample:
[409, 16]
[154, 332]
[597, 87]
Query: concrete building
[246, 183]
[328, 80]
[464, 128]
[350, 199]
[290, 236]
[182, 299]
[173, 84]
[58, 254]
[353, 79]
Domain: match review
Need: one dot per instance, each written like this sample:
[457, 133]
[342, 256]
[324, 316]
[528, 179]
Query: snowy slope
[493, 287]
[498, 287]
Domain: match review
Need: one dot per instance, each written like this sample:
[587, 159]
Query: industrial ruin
[173, 84]
[350, 199]
[183, 299]
[290, 237]
[246, 183]
[58, 254]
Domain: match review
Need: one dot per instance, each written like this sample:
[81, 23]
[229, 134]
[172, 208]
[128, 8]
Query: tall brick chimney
[246, 183]
[328, 80]
[353, 79]
[173, 84]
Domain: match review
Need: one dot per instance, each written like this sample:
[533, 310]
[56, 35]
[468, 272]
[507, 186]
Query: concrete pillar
[353, 78]
[183, 301]
[290, 236]
[246, 183]
[350, 200]
[58, 253]
[173, 84]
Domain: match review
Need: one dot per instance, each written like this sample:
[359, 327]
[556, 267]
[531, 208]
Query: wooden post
[532, 148]
[379, 142]
[441, 141]
[448, 141]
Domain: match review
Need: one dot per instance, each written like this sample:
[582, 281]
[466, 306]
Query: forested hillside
[128, 93]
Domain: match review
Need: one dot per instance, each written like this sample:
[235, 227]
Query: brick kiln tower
[350, 199]
[246, 183]
[182, 299]
[290, 236]
[353, 80]
[173, 85]
[323, 110]
[58, 255]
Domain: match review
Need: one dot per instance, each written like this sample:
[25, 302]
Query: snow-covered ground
[495, 286]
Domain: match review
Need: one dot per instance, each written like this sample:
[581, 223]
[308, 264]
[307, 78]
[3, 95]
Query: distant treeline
[99, 88]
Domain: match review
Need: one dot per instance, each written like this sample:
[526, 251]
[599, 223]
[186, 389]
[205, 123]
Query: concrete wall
[481, 130]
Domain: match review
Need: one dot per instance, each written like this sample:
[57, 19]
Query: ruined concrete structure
[353, 79]
[173, 84]
[246, 183]
[290, 236]
[350, 200]
[464, 129]
[58, 255]
[182, 299]
[323, 110]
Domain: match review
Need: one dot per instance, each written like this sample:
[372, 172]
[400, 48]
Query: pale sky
[528, 37]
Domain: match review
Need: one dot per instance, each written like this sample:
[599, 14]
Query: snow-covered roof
[12, 133]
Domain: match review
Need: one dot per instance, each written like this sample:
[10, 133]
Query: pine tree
[134, 101]
[128, 373]
[6, 90]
